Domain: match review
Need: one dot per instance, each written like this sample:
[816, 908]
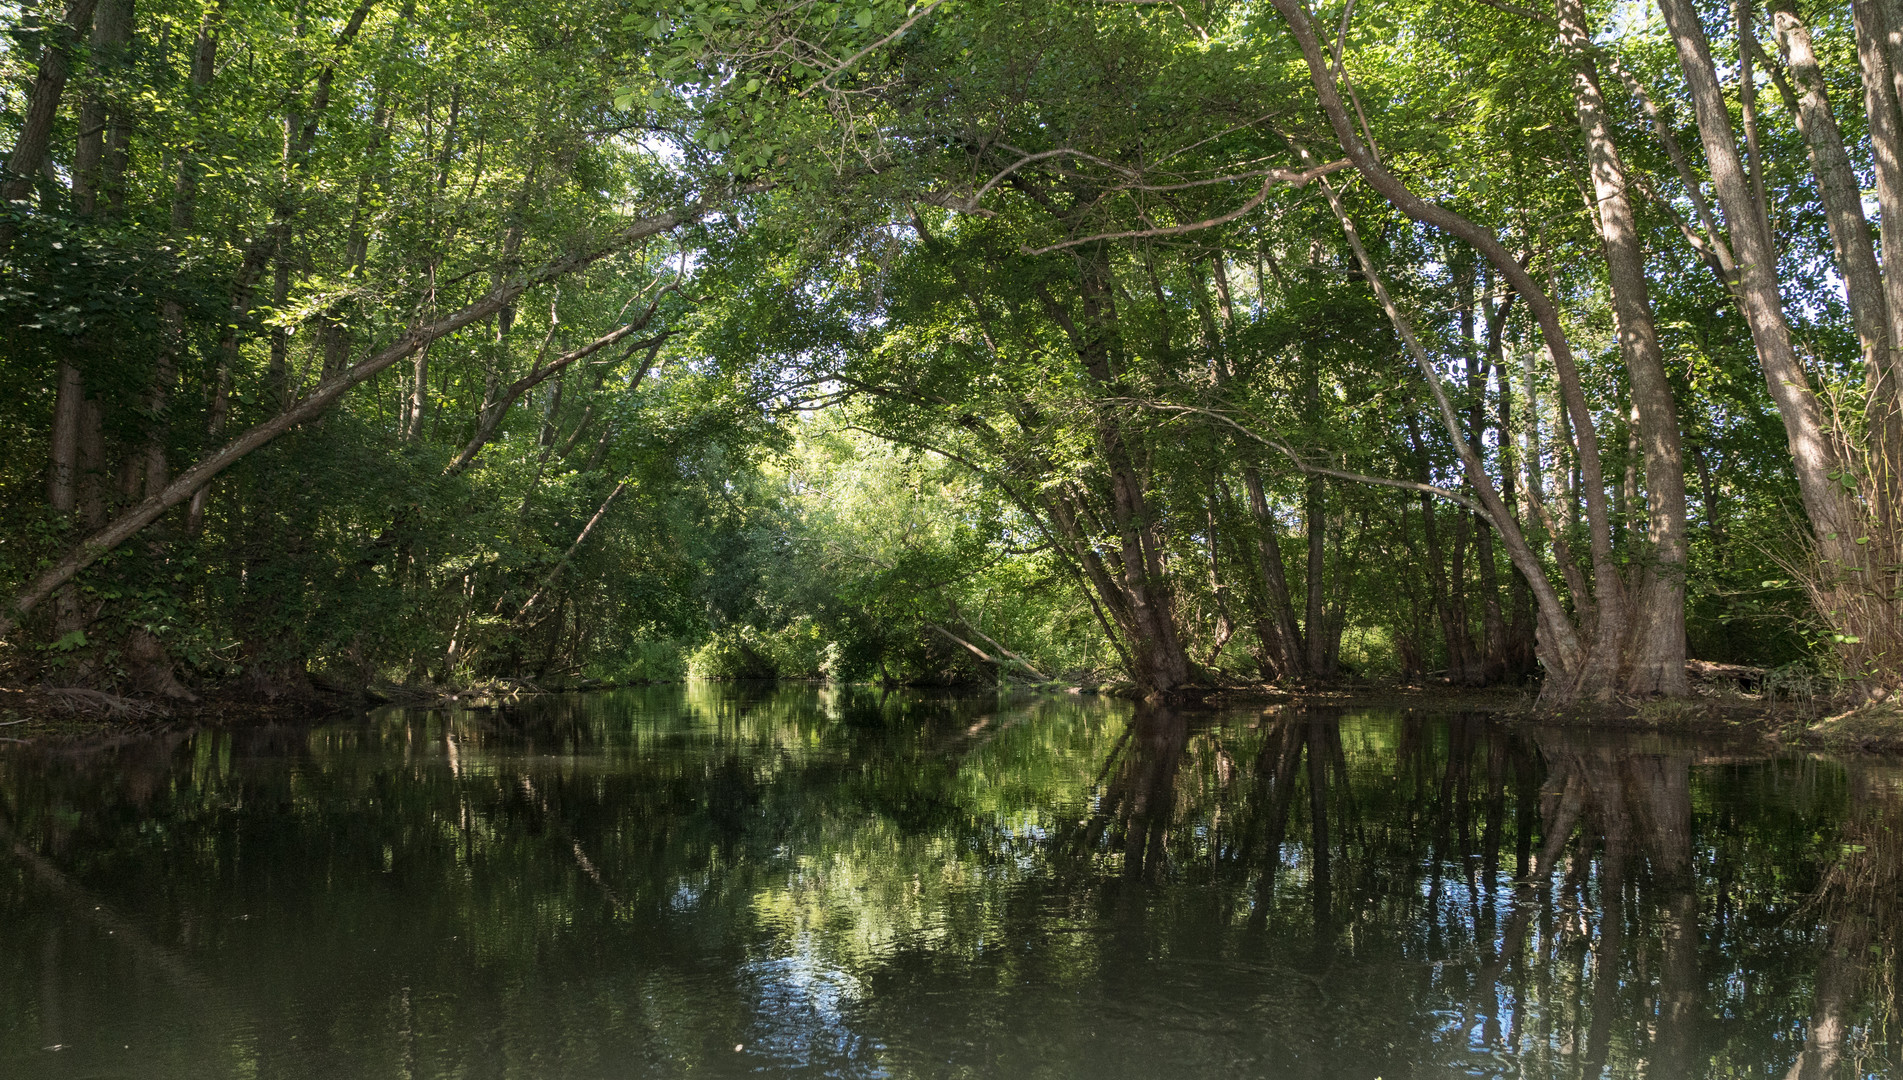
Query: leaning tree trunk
[326, 393]
[1575, 668]
[1135, 585]
[1840, 192]
[1759, 295]
[1559, 643]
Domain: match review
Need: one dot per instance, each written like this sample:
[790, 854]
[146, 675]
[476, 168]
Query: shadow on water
[843, 882]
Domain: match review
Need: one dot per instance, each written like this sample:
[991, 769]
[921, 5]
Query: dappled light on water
[730, 880]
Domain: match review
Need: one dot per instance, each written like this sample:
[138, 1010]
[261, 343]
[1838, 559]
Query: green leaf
[865, 18]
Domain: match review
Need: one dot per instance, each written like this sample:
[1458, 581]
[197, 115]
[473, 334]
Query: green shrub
[798, 650]
[734, 653]
[657, 661]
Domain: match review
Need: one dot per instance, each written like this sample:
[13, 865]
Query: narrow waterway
[726, 881]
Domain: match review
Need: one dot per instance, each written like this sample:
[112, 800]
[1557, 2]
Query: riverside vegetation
[1178, 345]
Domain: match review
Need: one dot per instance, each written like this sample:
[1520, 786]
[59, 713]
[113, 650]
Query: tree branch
[1292, 177]
[846, 64]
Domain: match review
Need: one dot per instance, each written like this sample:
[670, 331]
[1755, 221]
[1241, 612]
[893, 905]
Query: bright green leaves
[798, 69]
[74, 639]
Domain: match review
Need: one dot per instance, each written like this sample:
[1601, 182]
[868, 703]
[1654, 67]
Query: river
[744, 881]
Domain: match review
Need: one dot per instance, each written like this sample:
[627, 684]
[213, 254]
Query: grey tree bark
[1652, 659]
[1575, 667]
[1759, 295]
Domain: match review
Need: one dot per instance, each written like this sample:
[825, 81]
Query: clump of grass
[1667, 712]
[1794, 682]
[1872, 725]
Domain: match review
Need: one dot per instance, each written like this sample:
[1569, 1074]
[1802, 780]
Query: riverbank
[1813, 723]
[34, 714]
[1719, 708]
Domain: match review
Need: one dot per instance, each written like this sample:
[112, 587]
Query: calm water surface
[722, 882]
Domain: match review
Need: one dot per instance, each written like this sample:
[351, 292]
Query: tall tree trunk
[301, 124]
[1453, 626]
[1314, 523]
[1883, 88]
[1831, 517]
[1281, 636]
[74, 451]
[1460, 614]
[419, 373]
[277, 375]
[1708, 494]
[1574, 668]
[1218, 591]
[1283, 652]
[1652, 660]
[1491, 661]
[1517, 654]
[112, 32]
[62, 468]
[333, 331]
[43, 100]
[1748, 109]
[1162, 664]
[1842, 196]
[150, 474]
[1849, 582]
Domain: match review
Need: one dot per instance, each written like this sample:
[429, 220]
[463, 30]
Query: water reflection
[1858, 901]
[724, 881]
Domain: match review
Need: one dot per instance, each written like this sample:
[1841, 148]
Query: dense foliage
[979, 339]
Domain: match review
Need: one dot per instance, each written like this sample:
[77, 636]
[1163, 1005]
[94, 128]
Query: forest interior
[1172, 346]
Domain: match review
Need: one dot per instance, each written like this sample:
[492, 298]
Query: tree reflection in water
[854, 884]
[1861, 903]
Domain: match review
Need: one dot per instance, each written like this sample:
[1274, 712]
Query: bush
[659, 661]
[798, 650]
[734, 653]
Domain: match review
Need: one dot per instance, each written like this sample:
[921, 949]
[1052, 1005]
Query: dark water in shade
[727, 882]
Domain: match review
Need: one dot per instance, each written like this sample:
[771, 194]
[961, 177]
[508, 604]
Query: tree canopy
[1177, 345]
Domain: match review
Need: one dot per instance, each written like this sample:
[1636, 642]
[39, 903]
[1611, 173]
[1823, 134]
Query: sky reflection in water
[727, 881]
